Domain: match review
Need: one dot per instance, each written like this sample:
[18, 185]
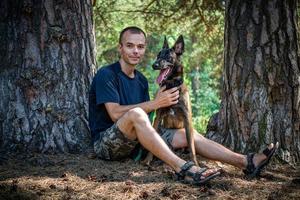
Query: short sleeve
[106, 87]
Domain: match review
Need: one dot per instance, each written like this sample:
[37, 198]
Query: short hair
[131, 29]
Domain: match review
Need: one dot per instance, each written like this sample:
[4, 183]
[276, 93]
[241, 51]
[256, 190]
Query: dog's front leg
[190, 138]
[188, 125]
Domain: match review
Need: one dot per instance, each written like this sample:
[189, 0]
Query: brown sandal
[195, 176]
[251, 171]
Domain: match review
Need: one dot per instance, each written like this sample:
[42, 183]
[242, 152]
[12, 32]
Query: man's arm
[164, 98]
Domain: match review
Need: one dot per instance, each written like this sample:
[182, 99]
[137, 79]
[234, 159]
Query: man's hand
[165, 98]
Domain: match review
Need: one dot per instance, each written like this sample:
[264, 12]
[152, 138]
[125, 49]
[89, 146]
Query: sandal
[195, 176]
[251, 171]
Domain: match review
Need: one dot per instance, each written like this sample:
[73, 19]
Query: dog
[171, 75]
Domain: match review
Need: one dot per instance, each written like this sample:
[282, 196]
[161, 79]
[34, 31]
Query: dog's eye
[170, 59]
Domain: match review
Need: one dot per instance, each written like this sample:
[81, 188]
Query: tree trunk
[48, 60]
[261, 91]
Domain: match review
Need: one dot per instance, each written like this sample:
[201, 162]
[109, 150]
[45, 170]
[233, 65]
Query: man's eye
[129, 45]
[141, 46]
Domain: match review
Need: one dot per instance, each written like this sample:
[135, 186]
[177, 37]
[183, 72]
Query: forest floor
[69, 176]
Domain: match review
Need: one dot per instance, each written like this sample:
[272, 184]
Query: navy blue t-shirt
[110, 84]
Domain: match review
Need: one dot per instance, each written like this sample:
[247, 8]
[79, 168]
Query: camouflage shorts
[167, 135]
[113, 145]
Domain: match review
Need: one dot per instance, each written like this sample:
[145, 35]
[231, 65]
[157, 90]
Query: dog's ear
[166, 45]
[179, 46]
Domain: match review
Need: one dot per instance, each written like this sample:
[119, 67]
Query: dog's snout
[155, 65]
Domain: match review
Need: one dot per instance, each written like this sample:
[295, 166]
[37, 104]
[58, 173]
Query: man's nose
[135, 49]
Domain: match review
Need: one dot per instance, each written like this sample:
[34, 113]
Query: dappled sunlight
[76, 177]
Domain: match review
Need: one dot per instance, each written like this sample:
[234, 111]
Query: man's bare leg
[215, 151]
[136, 125]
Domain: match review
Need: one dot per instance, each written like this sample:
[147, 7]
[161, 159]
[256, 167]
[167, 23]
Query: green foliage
[200, 22]
[205, 98]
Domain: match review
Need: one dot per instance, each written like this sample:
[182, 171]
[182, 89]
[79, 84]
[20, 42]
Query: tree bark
[261, 92]
[48, 60]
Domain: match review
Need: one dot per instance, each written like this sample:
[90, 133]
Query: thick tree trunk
[47, 62]
[261, 93]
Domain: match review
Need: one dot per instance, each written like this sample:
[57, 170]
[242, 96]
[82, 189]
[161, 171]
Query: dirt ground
[69, 176]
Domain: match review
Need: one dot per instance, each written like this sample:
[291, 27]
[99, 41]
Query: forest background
[48, 61]
[202, 27]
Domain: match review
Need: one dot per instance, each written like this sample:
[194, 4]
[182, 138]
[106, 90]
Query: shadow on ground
[69, 176]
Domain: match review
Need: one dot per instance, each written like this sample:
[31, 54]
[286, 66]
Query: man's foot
[192, 174]
[256, 162]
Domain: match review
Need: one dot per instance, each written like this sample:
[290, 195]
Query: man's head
[132, 45]
[132, 30]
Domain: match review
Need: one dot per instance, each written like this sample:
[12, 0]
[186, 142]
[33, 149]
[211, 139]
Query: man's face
[132, 48]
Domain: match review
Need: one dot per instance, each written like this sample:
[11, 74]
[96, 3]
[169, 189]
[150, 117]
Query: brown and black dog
[171, 75]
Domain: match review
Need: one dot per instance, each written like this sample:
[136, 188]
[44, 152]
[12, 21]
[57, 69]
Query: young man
[118, 107]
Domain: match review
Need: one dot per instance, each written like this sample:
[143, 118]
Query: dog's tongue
[163, 73]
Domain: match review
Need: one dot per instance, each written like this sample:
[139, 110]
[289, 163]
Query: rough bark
[261, 91]
[47, 62]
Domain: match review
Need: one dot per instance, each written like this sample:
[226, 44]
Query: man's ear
[166, 45]
[119, 47]
[179, 46]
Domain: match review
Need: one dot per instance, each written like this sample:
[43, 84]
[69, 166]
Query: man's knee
[137, 114]
[127, 123]
[179, 140]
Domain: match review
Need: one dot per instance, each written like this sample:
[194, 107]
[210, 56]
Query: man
[118, 107]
